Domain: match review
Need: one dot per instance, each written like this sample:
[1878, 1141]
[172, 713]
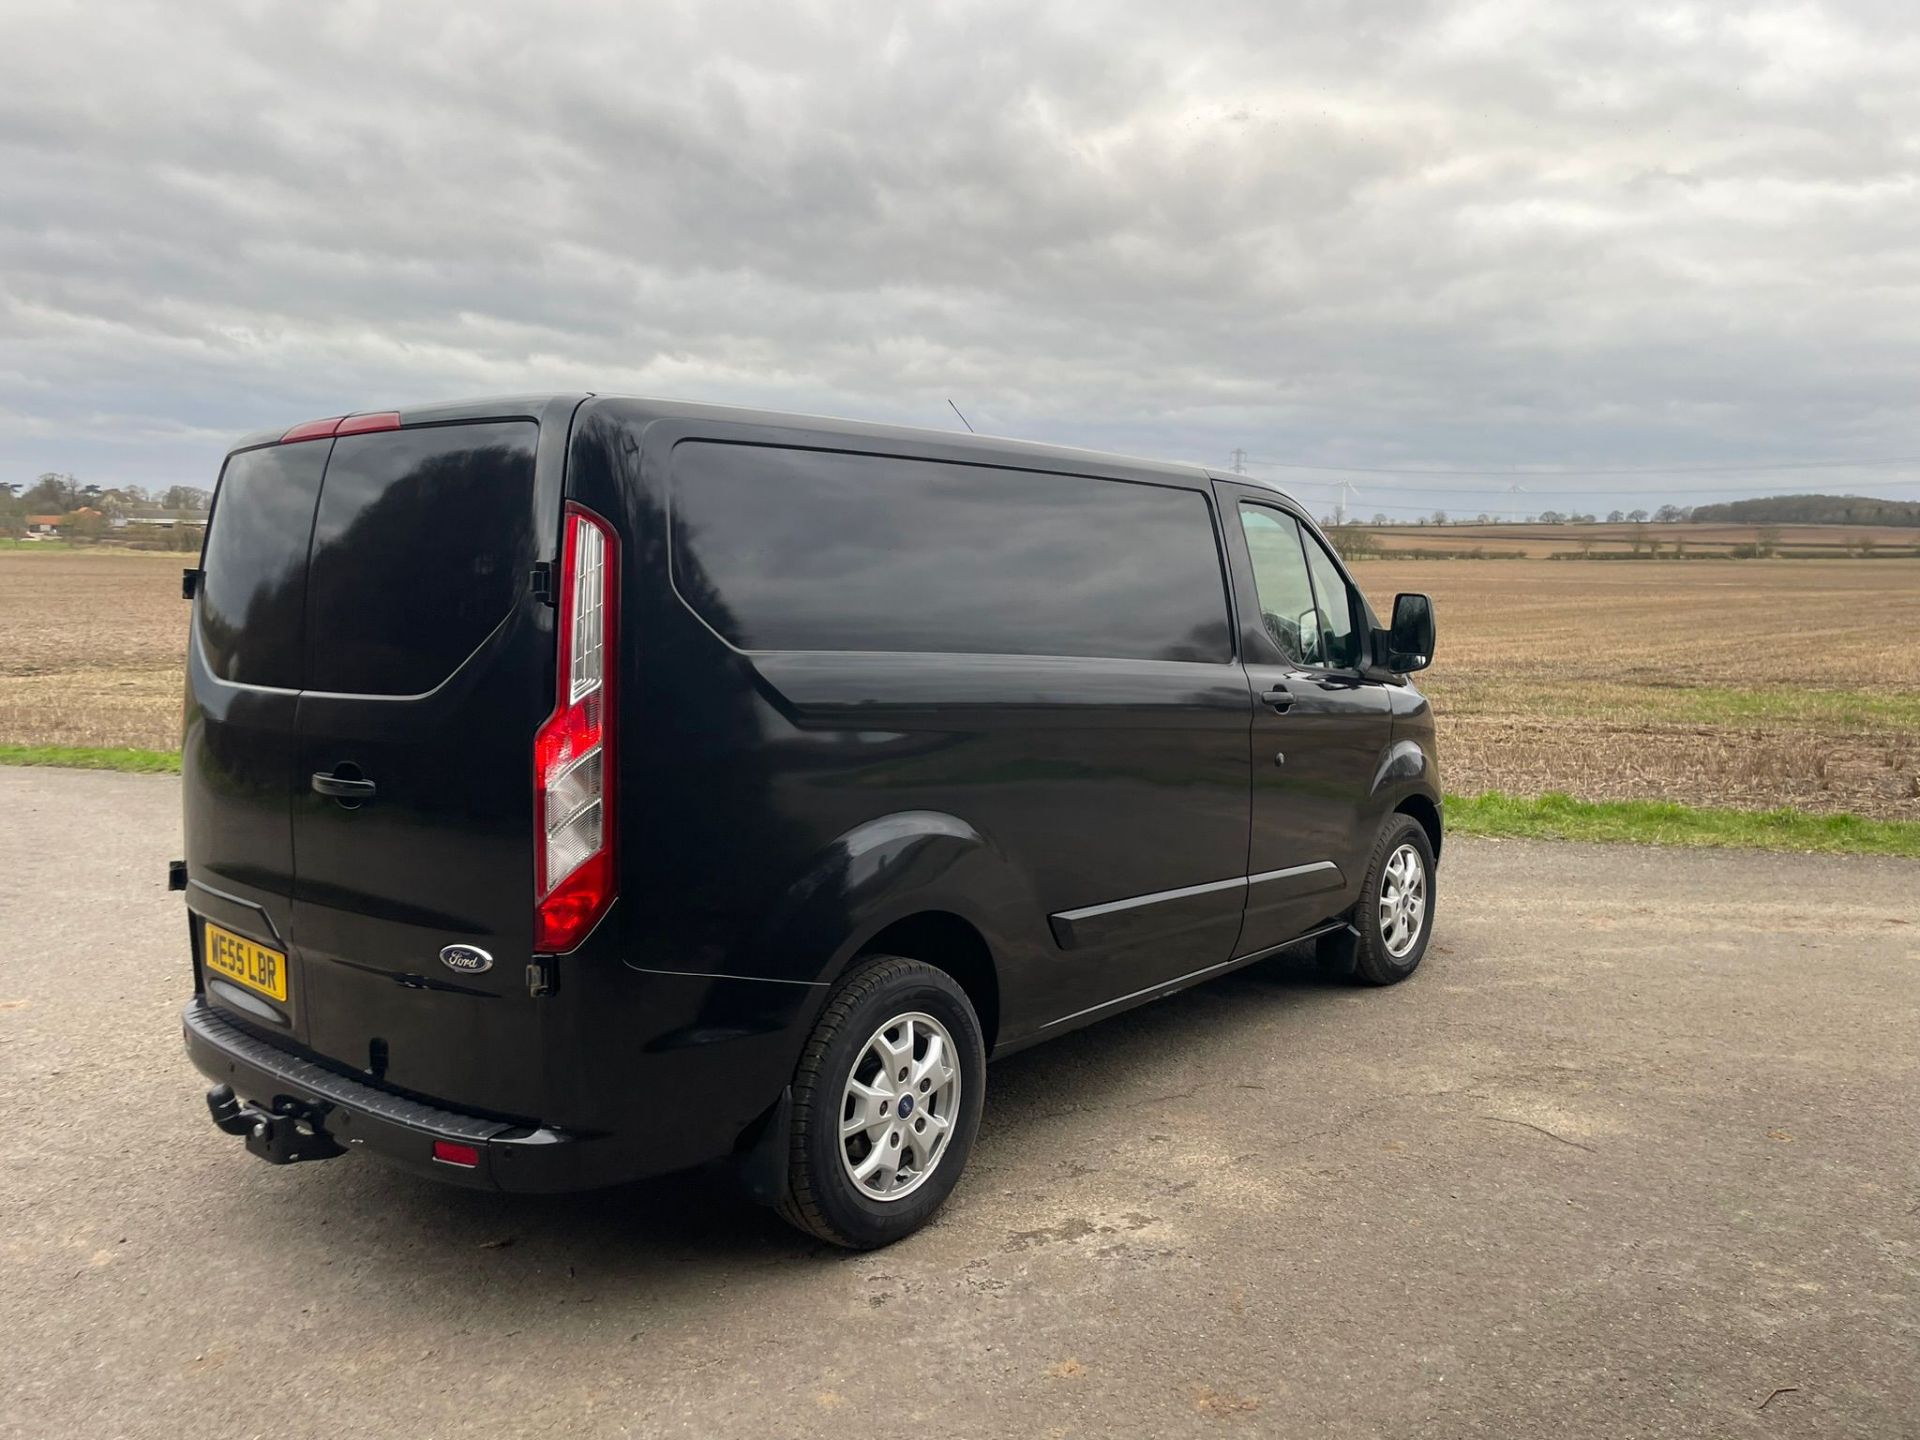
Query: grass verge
[1659, 822]
[90, 757]
[1614, 706]
[1531, 817]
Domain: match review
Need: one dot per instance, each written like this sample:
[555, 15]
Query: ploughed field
[91, 647]
[1751, 683]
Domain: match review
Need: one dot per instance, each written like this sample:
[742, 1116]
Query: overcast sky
[1384, 234]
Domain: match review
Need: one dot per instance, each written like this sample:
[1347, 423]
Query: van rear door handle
[342, 789]
[1280, 698]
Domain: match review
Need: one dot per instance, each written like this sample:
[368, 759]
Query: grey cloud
[1427, 234]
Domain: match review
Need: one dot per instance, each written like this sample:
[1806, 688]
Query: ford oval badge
[468, 959]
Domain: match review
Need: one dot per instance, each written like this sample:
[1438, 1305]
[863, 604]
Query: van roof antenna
[963, 419]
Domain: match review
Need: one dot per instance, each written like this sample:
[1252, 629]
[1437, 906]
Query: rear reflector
[448, 1153]
[573, 752]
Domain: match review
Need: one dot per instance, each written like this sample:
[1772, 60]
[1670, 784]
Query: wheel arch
[950, 943]
[925, 885]
[1406, 783]
[1427, 812]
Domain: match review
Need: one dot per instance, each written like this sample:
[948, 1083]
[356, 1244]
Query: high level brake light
[573, 752]
[343, 425]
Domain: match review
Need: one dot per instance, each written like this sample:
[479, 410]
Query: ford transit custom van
[579, 788]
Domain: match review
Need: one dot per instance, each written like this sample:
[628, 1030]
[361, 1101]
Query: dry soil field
[91, 644]
[1749, 683]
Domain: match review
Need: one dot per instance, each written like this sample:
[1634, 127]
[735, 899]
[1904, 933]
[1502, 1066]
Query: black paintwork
[1068, 834]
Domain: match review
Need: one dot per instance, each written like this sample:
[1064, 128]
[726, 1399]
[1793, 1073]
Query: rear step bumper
[303, 1111]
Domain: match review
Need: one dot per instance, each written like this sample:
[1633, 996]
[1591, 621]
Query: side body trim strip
[1093, 925]
[1168, 987]
[1157, 897]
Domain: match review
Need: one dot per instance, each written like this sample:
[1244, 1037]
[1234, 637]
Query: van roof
[653, 408]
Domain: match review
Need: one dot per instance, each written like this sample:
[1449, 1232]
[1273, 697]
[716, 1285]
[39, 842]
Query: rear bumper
[359, 1116]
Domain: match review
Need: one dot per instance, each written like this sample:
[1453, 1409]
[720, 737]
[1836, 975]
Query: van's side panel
[1089, 781]
[1063, 765]
[670, 1050]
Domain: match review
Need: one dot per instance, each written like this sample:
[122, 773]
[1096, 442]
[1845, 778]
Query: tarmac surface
[1635, 1153]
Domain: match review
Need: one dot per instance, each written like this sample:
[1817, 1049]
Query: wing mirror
[1409, 641]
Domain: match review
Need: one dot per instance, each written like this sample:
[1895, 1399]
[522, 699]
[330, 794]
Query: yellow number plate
[238, 958]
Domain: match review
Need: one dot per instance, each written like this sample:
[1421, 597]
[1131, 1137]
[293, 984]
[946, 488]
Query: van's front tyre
[1393, 922]
[886, 1101]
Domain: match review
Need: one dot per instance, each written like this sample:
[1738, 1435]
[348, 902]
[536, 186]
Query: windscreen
[422, 540]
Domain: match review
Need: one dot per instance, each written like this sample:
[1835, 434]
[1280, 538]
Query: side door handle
[342, 788]
[1280, 698]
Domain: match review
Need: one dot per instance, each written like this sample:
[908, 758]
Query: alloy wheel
[1403, 901]
[899, 1106]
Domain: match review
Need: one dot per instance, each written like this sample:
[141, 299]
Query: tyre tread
[801, 1208]
[1371, 963]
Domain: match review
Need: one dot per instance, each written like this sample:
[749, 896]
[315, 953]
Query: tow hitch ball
[290, 1132]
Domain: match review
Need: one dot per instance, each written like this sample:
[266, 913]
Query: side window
[783, 549]
[1339, 636]
[1280, 578]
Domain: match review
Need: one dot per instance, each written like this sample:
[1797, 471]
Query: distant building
[160, 520]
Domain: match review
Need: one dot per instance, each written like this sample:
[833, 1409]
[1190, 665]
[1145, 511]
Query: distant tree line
[1812, 510]
[85, 511]
[1665, 515]
[1768, 510]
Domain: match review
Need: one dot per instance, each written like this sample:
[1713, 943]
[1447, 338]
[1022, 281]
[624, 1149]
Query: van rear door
[245, 657]
[429, 668]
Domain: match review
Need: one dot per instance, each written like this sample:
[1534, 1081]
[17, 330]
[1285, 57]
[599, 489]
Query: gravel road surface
[1636, 1153]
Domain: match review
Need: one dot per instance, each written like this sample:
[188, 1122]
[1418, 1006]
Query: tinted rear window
[807, 550]
[422, 540]
[253, 600]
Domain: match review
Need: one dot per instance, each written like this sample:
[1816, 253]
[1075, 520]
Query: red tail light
[573, 753]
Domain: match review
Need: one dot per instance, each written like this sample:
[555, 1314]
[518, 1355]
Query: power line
[1506, 511]
[1455, 514]
[1797, 488]
[1424, 510]
[1511, 473]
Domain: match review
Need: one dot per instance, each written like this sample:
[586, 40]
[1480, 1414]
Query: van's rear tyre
[886, 1102]
[1393, 922]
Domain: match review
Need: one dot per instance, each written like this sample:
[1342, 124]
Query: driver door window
[1281, 580]
[1339, 636]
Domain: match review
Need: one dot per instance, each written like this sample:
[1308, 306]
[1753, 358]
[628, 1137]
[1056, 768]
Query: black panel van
[579, 788]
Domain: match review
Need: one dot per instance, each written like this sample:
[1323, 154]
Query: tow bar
[291, 1132]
